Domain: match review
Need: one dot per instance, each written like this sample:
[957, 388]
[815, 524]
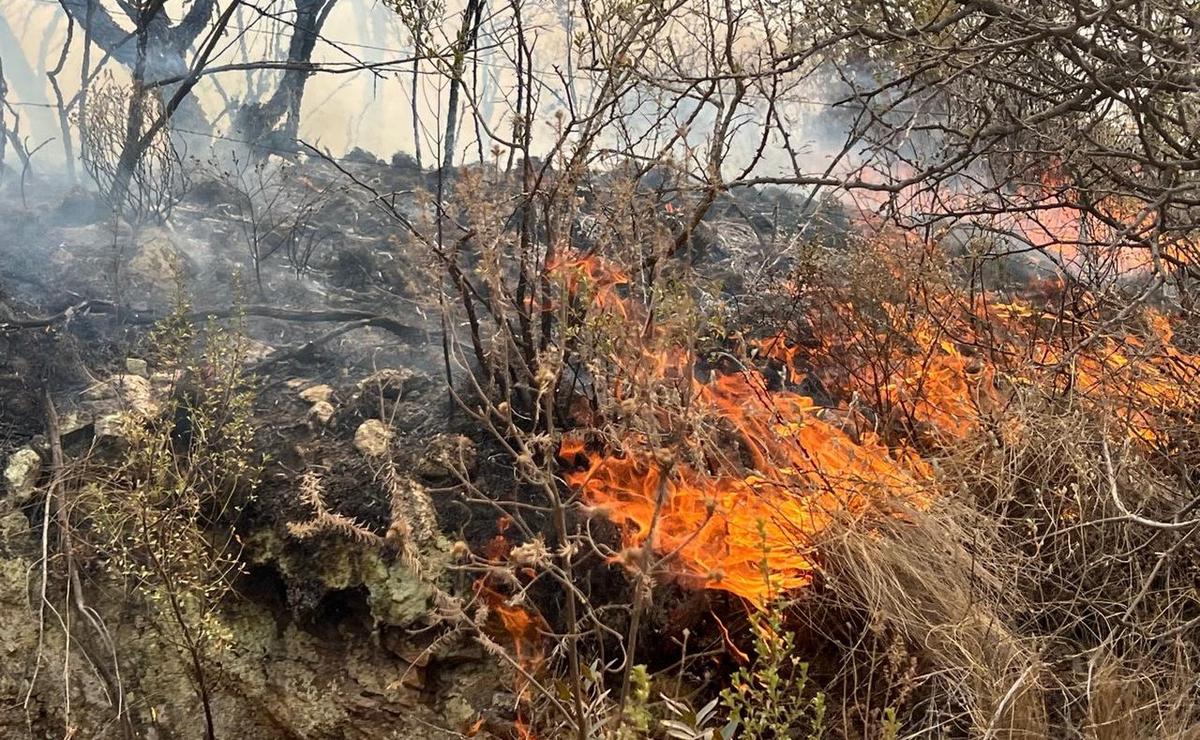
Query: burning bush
[850, 463]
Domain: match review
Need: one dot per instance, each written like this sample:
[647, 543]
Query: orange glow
[729, 530]
[746, 520]
[524, 732]
[599, 278]
[522, 627]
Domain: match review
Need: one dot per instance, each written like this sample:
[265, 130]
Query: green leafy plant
[162, 511]
[686, 723]
[765, 697]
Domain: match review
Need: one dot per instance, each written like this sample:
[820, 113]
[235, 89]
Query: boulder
[21, 474]
[316, 393]
[128, 392]
[137, 366]
[391, 383]
[321, 411]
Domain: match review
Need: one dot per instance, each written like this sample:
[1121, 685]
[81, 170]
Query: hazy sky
[360, 109]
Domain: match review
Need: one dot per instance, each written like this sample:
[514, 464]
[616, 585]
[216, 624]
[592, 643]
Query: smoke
[371, 109]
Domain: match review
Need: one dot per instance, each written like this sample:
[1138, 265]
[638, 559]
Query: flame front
[745, 515]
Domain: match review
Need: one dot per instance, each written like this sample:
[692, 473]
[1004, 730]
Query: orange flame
[751, 530]
[745, 521]
[745, 515]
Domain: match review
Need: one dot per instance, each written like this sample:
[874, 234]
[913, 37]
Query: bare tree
[279, 116]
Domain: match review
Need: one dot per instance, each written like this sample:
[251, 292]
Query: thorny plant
[1065, 128]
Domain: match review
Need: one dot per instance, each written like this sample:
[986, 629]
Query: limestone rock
[157, 258]
[130, 392]
[317, 394]
[445, 454]
[322, 412]
[373, 438]
[137, 366]
[391, 383]
[110, 425]
[396, 594]
[162, 384]
[21, 474]
[15, 532]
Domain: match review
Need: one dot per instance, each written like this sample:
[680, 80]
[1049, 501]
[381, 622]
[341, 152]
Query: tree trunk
[472, 20]
[279, 117]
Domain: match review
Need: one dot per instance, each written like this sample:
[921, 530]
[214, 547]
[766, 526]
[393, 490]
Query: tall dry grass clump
[1048, 591]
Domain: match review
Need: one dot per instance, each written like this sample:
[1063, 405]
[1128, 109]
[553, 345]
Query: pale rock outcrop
[21, 474]
[373, 438]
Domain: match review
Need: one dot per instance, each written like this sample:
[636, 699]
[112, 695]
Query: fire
[750, 530]
[522, 628]
[744, 520]
[743, 509]
[600, 279]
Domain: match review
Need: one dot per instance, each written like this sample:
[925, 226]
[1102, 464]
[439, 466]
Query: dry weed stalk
[324, 521]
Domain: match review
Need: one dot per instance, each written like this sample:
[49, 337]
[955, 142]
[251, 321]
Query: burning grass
[988, 478]
[912, 466]
[766, 469]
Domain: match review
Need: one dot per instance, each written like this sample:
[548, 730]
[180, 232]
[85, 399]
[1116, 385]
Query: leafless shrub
[277, 211]
[157, 180]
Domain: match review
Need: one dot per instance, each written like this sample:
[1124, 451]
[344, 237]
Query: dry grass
[1036, 598]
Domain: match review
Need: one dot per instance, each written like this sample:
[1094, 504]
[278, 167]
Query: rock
[155, 262]
[108, 406]
[390, 382]
[137, 366]
[15, 532]
[323, 411]
[373, 438]
[362, 156]
[110, 425]
[399, 643]
[404, 161]
[74, 425]
[21, 474]
[395, 594]
[255, 351]
[317, 393]
[162, 384]
[131, 392]
[446, 453]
